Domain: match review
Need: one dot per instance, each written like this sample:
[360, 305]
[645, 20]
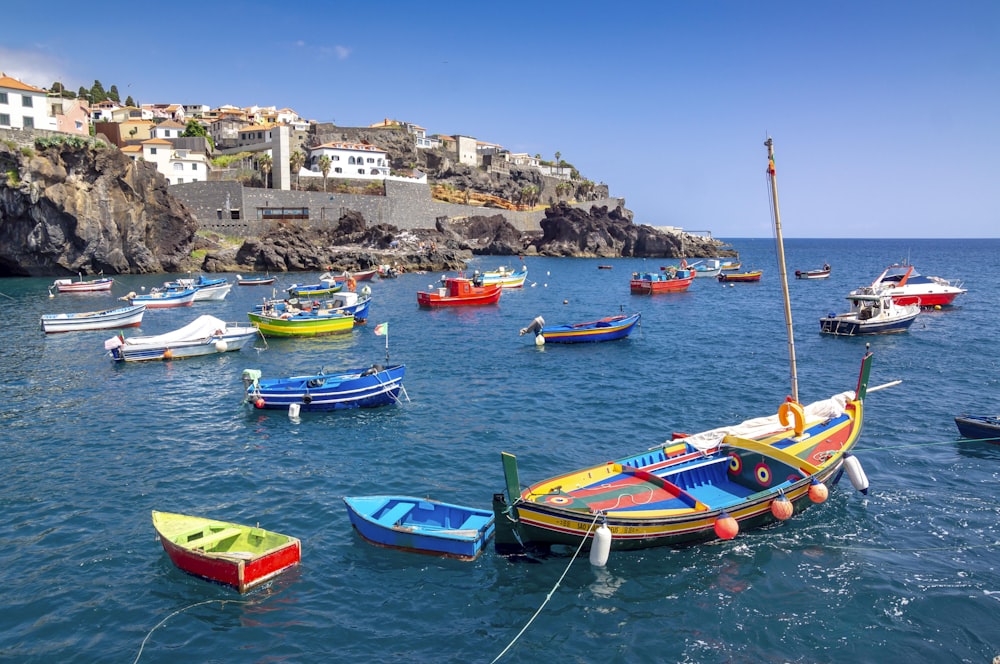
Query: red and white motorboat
[83, 285]
[907, 286]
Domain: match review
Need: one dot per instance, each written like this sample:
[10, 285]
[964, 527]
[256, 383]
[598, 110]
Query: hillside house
[23, 106]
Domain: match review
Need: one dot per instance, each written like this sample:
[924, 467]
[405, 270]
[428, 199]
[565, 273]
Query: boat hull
[130, 316]
[848, 325]
[741, 277]
[979, 427]
[421, 525]
[164, 300]
[301, 325]
[360, 388]
[459, 292]
[234, 339]
[812, 274]
[266, 281]
[69, 286]
[655, 286]
[675, 494]
[607, 329]
[240, 556]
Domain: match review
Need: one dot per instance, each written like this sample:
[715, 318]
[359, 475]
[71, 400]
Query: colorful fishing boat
[731, 266]
[459, 292]
[670, 279]
[162, 299]
[741, 277]
[356, 388]
[327, 285]
[307, 321]
[83, 285]
[130, 316]
[254, 281]
[205, 288]
[980, 427]
[240, 556]
[205, 335]
[907, 286]
[870, 313]
[605, 329]
[421, 525]
[819, 273]
[355, 304]
[506, 277]
[694, 487]
[360, 275]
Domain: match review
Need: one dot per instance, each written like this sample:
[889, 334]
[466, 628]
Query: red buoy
[781, 508]
[168, 354]
[259, 403]
[726, 526]
[817, 492]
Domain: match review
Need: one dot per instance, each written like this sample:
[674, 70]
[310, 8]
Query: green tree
[82, 93]
[264, 165]
[97, 93]
[113, 95]
[195, 128]
[324, 167]
[296, 161]
[129, 101]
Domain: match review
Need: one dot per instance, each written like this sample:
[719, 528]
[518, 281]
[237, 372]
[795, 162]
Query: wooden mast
[781, 265]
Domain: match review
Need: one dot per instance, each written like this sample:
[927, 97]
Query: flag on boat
[381, 329]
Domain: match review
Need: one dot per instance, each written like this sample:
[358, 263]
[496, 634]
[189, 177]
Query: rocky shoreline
[68, 209]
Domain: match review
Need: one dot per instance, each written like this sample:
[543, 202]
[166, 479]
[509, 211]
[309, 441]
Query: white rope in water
[551, 592]
[178, 611]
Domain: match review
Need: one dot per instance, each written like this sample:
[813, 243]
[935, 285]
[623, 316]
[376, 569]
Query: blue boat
[872, 312]
[327, 285]
[421, 525]
[982, 427]
[357, 388]
[605, 329]
[355, 304]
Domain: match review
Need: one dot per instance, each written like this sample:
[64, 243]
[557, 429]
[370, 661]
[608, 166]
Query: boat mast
[772, 178]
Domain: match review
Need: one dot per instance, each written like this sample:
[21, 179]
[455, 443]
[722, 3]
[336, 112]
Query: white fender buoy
[600, 548]
[539, 340]
[856, 473]
[221, 346]
[293, 410]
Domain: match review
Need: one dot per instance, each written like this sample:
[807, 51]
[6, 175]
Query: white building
[23, 106]
[168, 129]
[175, 164]
[356, 161]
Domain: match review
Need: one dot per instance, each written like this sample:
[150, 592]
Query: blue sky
[885, 115]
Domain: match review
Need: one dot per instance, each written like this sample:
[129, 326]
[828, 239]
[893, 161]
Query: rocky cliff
[67, 208]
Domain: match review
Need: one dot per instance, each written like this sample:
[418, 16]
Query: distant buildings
[23, 106]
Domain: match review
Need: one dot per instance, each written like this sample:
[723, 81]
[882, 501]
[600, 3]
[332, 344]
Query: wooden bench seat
[213, 538]
[396, 514]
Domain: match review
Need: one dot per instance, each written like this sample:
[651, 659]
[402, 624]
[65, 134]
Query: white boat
[204, 289]
[872, 312]
[203, 336]
[83, 286]
[505, 276]
[707, 268]
[907, 286]
[130, 316]
[163, 299]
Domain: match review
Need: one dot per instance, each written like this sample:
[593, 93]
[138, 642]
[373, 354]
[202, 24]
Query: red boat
[741, 276]
[460, 292]
[670, 280]
[363, 275]
[239, 556]
[907, 286]
[70, 286]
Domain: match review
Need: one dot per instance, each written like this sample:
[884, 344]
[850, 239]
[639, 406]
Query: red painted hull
[926, 299]
[460, 292]
[647, 287]
[240, 574]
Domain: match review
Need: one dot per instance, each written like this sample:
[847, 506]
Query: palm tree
[324, 166]
[296, 161]
[264, 165]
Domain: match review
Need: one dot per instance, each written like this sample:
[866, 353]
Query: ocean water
[907, 573]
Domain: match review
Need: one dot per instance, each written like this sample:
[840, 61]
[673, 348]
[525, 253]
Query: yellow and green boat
[301, 323]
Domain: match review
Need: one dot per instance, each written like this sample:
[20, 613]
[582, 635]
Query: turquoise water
[907, 573]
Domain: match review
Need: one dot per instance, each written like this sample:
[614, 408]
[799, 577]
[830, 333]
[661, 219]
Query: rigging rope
[223, 602]
[551, 592]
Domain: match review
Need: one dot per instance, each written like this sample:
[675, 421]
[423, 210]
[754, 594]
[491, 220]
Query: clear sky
[884, 114]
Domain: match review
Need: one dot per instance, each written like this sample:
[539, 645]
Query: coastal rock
[68, 209]
[600, 233]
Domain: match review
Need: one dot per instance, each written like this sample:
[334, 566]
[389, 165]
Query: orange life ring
[798, 416]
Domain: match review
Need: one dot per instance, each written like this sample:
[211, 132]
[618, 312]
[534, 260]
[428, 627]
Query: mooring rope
[223, 602]
[551, 592]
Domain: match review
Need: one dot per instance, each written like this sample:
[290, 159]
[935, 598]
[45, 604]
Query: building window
[3, 98]
[338, 169]
[178, 166]
[194, 167]
[361, 171]
[335, 157]
[152, 150]
[29, 123]
[26, 101]
[5, 119]
[371, 160]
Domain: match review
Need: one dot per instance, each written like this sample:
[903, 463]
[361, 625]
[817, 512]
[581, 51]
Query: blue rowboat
[421, 525]
[982, 427]
[357, 388]
[605, 329]
[163, 299]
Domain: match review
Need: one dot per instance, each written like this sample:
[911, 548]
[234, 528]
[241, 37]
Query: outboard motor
[535, 326]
